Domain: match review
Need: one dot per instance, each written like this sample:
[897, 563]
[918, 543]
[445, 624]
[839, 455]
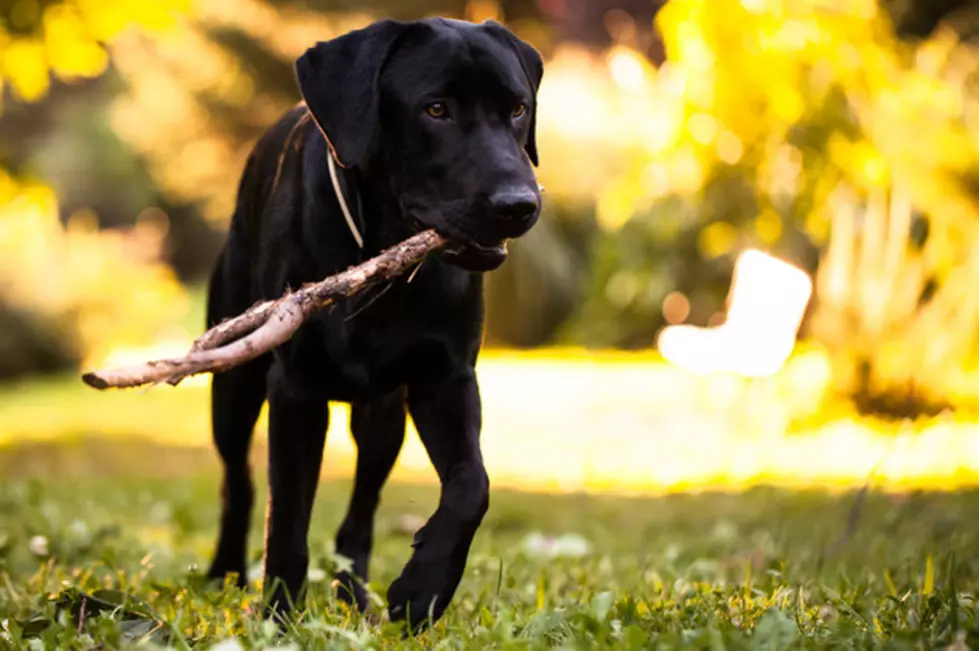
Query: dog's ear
[338, 80]
[533, 67]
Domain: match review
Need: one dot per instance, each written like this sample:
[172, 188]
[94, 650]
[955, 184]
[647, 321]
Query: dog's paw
[420, 595]
[348, 589]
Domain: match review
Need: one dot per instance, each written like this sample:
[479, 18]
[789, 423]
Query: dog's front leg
[447, 414]
[378, 428]
[298, 421]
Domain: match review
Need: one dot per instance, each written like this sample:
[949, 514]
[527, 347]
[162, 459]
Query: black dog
[430, 124]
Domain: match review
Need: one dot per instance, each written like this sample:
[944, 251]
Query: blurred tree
[656, 175]
[918, 18]
[68, 291]
[72, 292]
[764, 112]
[542, 284]
[66, 38]
[599, 24]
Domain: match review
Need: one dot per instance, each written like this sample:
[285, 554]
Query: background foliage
[840, 136]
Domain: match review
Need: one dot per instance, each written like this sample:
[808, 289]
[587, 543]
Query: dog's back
[272, 166]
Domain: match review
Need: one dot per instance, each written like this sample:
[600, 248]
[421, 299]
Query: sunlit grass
[566, 420]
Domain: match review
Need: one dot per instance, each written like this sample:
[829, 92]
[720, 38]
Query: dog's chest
[360, 352]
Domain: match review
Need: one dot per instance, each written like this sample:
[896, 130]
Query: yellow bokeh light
[24, 65]
[717, 239]
[729, 147]
[703, 128]
[627, 68]
[768, 225]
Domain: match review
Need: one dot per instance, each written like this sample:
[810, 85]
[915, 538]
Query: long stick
[267, 325]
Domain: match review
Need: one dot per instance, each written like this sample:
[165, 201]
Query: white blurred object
[569, 545]
[767, 302]
[38, 546]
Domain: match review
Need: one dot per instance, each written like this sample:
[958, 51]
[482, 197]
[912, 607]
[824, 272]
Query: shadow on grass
[77, 457]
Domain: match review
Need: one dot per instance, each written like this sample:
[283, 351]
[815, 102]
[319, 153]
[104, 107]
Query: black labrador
[430, 124]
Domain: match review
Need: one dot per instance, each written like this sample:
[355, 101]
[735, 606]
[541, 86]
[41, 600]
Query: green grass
[128, 519]
[712, 571]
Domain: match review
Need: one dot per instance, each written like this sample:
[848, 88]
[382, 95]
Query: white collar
[343, 200]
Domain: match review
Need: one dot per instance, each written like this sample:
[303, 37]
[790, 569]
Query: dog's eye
[519, 110]
[438, 110]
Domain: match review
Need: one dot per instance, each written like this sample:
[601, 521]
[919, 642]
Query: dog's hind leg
[298, 419]
[378, 428]
[236, 401]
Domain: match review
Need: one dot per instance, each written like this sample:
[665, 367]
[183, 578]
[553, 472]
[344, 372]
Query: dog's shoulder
[270, 189]
[275, 149]
[281, 145]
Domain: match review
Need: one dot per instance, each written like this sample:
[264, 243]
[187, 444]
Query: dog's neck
[373, 224]
[374, 221]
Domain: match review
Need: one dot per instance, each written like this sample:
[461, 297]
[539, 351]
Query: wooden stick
[239, 326]
[272, 323]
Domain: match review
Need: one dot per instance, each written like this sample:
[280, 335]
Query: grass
[110, 500]
[764, 568]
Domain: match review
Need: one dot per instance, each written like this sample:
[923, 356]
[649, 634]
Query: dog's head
[445, 111]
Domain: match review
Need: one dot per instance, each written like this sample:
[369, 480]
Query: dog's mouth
[468, 252]
[474, 256]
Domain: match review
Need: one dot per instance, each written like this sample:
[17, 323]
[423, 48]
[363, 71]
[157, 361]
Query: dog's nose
[514, 203]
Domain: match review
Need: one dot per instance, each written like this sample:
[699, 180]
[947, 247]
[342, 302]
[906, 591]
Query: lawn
[763, 568]
[633, 506]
